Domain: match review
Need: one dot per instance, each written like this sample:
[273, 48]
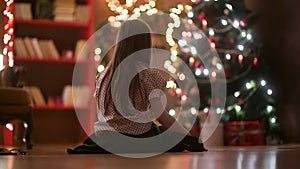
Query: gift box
[8, 134]
[244, 133]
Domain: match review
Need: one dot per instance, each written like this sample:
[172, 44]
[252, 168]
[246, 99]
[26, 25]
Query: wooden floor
[55, 156]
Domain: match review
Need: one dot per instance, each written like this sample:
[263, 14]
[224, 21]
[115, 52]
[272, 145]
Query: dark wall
[279, 28]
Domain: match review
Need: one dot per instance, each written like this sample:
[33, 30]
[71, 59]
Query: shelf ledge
[51, 60]
[44, 22]
[46, 107]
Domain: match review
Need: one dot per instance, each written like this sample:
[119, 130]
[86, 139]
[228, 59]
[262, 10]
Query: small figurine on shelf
[11, 76]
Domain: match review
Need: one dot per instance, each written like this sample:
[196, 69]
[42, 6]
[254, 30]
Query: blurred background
[278, 29]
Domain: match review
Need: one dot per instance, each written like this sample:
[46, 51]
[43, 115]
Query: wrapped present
[244, 133]
[8, 134]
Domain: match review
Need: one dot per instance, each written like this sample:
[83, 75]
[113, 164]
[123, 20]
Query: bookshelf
[55, 122]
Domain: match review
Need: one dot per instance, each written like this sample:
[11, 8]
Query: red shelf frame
[58, 108]
[44, 22]
[47, 60]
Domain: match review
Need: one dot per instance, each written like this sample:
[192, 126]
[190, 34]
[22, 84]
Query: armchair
[15, 104]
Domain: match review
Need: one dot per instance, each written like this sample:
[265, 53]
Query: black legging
[111, 139]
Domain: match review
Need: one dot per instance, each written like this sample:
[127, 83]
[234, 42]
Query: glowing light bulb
[212, 45]
[269, 109]
[236, 23]
[193, 111]
[214, 74]
[237, 94]
[229, 6]
[269, 92]
[190, 21]
[249, 36]
[198, 72]
[171, 84]
[219, 111]
[97, 51]
[182, 77]
[211, 32]
[193, 50]
[228, 56]
[183, 97]
[238, 108]
[243, 34]
[255, 61]
[206, 110]
[190, 14]
[172, 112]
[191, 60]
[172, 69]
[219, 66]
[240, 58]
[180, 7]
[9, 126]
[263, 83]
[178, 91]
[97, 58]
[1, 62]
[273, 120]
[173, 58]
[250, 85]
[206, 72]
[174, 52]
[197, 35]
[182, 42]
[100, 68]
[204, 22]
[241, 47]
[136, 10]
[167, 63]
[143, 8]
[224, 22]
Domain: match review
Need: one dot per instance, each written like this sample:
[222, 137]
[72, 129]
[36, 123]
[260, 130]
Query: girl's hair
[134, 35]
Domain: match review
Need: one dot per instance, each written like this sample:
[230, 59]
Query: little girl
[116, 113]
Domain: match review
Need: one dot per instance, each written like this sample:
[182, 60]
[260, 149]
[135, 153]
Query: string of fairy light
[8, 40]
[7, 54]
[127, 8]
[124, 11]
[240, 52]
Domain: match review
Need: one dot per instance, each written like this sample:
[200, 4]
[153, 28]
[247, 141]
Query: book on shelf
[52, 49]
[20, 48]
[23, 10]
[36, 48]
[29, 47]
[79, 50]
[44, 48]
[77, 96]
[65, 3]
[82, 14]
[36, 95]
[64, 17]
[64, 10]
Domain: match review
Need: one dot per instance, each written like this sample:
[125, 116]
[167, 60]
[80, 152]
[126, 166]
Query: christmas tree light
[226, 24]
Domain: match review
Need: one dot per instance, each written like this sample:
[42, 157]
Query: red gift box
[244, 133]
[8, 134]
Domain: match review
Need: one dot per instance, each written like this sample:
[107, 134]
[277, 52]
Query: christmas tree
[227, 24]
